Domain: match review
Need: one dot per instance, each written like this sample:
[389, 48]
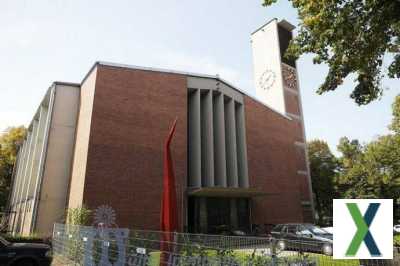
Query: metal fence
[85, 245]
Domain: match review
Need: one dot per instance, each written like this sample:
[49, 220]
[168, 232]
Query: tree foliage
[373, 171]
[9, 143]
[370, 170]
[323, 168]
[351, 37]
[395, 126]
[349, 181]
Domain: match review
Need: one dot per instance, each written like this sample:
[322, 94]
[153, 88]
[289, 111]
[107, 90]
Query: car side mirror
[310, 235]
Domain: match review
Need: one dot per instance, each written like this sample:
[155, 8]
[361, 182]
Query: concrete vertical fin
[21, 160]
[194, 139]
[230, 140]
[243, 172]
[207, 139]
[31, 165]
[219, 141]
[47, 113]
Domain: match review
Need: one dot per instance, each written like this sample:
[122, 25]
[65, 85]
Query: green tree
[323, 169]
[9, 143]
[371, 170]
[382, 166]
[351, 37]
[352, 181]
[395, 126]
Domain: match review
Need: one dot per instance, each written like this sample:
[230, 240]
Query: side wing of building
[42, 172]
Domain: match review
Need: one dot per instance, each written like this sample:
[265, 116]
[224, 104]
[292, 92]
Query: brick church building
[239, 160]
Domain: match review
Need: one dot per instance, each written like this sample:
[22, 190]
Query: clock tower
[272, 71]
[276, 82]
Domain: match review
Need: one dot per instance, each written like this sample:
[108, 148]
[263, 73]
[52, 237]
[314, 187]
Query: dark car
[24, 254]
[303, 237]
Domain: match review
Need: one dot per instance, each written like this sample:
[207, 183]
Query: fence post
[273, 252]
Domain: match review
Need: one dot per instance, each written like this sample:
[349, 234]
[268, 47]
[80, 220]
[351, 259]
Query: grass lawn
[328, 260]
[242, 256]
[292, 256]
[154, 258]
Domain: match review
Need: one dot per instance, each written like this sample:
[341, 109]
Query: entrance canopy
[226, 192]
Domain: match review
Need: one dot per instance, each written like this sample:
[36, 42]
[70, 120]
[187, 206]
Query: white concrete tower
[269, 43]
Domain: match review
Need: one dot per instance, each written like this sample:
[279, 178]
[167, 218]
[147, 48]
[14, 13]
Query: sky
[59, 40]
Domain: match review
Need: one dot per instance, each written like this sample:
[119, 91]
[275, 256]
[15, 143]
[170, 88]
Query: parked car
[328, 229]
[24, 254]
[303, 237]
[396, 229]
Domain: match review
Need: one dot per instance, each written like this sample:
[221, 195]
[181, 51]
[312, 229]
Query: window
[292, 229]
[278, 228]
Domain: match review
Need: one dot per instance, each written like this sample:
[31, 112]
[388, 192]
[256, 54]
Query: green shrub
[78, 216]
[396, 241]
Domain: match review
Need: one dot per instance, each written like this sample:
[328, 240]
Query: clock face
[267, 79]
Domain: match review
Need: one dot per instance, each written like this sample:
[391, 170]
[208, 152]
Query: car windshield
[277, 228]
[315, 230]
[4, 242]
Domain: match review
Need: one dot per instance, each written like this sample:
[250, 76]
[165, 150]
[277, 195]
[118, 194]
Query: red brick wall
[292, 103]
[273, 161]
[132, 114]
[293, 106]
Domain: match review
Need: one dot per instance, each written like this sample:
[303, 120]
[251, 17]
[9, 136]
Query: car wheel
[327, 250]
[281, 245]
[25, 263]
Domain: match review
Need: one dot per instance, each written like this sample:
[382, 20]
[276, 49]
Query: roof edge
[263, 25]
[155, 69]
[283, 23]
[65, 83]
[89, 72]
[286, 24]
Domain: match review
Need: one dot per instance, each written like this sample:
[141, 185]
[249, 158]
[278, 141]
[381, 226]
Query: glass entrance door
[217, 215]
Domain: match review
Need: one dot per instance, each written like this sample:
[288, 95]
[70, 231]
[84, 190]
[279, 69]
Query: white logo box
[344, 228]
